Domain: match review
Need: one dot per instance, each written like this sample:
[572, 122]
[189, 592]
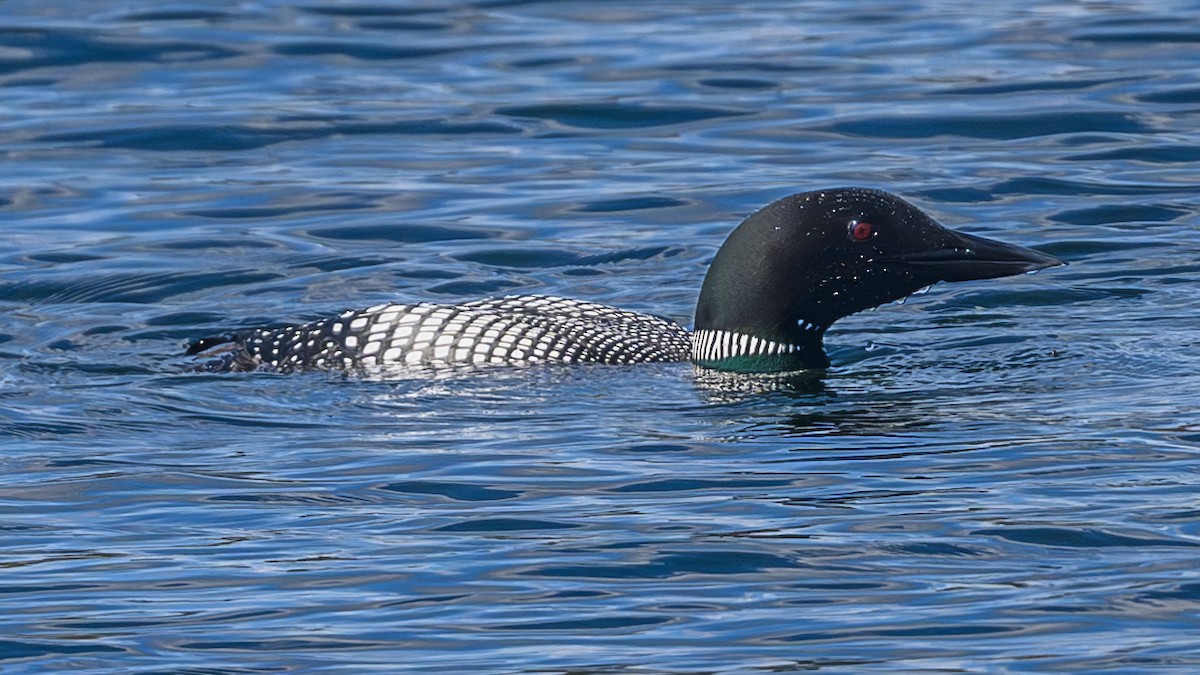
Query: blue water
[998, 476]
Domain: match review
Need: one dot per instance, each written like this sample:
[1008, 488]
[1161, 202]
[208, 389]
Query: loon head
[801, 263]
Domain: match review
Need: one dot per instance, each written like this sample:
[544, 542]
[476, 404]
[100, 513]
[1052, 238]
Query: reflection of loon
[779, 281]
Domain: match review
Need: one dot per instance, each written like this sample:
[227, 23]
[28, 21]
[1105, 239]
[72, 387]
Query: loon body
[778, 282]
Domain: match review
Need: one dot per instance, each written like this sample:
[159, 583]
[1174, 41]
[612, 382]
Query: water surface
[997, 476]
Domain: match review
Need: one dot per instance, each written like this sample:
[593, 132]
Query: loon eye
[861, 230]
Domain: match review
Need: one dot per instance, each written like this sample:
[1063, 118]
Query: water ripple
[1001, 127]
[232, 137]
[34, 48]
[617, 116]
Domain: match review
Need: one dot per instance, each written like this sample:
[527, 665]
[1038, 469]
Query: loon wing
[508, 330]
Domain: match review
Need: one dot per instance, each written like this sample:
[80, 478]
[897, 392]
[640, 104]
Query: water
[995, 476]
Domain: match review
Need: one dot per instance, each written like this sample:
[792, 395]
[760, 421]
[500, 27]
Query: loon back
[509, 330]
[775, 286]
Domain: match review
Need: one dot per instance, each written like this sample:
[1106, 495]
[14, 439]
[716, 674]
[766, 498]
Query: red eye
[861, 231]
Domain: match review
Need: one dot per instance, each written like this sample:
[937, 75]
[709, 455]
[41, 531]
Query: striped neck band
[716, 345]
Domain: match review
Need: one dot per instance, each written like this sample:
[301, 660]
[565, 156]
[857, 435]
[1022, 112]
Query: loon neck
[746, 352]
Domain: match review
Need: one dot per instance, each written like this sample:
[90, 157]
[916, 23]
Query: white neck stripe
[714, 345]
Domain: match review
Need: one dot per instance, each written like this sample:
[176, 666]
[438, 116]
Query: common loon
[778, 282]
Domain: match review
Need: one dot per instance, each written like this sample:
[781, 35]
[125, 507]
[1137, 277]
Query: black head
[794, 267]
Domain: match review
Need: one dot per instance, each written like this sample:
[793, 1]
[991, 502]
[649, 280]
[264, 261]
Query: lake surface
[997, 476]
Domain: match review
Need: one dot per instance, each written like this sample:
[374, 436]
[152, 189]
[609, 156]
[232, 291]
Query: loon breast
[509, 330]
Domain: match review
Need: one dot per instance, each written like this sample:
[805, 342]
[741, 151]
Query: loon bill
[778, 282]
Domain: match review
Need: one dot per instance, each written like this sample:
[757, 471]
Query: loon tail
[204, 344]
[231, 356]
